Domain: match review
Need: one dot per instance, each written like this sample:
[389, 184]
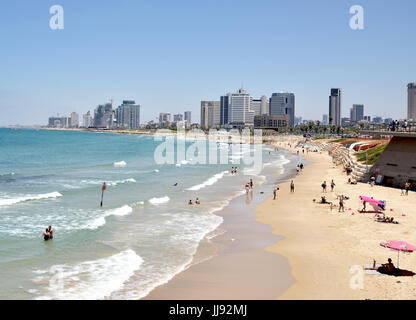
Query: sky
[170, 55]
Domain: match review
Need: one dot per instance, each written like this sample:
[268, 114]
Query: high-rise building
[74, 120]
[283, 103]
[335, 107]
[128, 115]
[325, 119]
[357, 113]
[104, 116]
[188, 116]
[164, 117]
[87, 120]
[178, 117]
[367, 118]
[224, 106]
[411, 101]
[264, 106]
[239, 109]
[255, 105]
[210, 114]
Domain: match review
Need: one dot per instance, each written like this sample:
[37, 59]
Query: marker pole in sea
[102, 193]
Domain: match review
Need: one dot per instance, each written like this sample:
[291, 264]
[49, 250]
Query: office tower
[367, 118]
[325, 119]
[255, 105]
[128, 115]
[264, 106]
[239, 109]
[283, 103]
[164, 117]
[74, 120]
[335, 107]
[177, 117]
[357, 113]
[188, 117]
[104, 116]
[224, 106]
[411, 101]
[87, 120]
[210, 114]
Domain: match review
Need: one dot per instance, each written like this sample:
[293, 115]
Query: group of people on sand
[197, 201]
[324, 185]
[299, 167]
[233, 170]
[48, 234]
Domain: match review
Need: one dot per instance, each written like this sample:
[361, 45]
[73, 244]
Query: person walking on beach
[251, 183]
[292, 186]
[341, 203]
[323, 185]
[274, 193]
[407, 188]
[301, 166]
[332, 185]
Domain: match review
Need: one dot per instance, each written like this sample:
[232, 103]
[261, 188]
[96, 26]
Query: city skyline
[165, 65]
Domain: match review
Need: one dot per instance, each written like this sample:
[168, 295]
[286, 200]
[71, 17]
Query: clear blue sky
[169, 55]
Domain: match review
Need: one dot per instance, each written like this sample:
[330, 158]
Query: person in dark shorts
[292, 186]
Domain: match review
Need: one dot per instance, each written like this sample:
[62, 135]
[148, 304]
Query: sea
[144, 234]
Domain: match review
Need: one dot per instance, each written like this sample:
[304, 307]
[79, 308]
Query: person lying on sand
[386, 268]
[386, 220]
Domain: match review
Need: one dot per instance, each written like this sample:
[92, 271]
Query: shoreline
[234, 264]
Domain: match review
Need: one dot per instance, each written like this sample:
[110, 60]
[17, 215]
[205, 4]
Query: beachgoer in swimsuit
[46, 235]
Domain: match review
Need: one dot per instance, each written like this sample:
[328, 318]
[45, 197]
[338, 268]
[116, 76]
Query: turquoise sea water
[144, 234]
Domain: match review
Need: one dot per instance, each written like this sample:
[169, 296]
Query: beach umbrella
[398, 245]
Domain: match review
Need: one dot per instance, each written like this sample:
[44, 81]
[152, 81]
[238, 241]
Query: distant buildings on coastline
[231, 110]
[240, 109]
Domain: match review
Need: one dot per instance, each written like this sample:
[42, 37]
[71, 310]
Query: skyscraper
[357, 113]
[224, 105]
[283, 103]
[74, 120]
[87, 120]
[104, 116]
[255, 105]
[411, 101]
[188, 116]
[177, 117]
[335, 107]
[239, 109]
[210, 114]
[128, 115]
[325, 119]
[264, 106]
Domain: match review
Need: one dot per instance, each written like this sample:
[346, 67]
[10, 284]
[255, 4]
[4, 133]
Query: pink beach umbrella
[398, 245]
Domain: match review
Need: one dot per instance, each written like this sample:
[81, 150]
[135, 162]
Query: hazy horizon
[168, 56]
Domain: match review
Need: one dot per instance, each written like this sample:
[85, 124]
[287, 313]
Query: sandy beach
[326, 249]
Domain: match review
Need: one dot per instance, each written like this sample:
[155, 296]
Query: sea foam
[208, 182]
[8, 202]
[90, 280]
[156, 201]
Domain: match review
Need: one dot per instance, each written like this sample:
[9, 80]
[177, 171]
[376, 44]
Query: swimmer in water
[46, 235]
[197, 201]
[190, 202]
